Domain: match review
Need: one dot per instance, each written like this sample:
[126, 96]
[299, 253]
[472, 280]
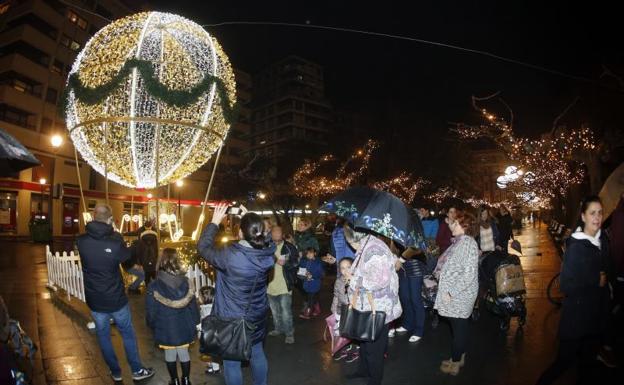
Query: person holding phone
[241, 285]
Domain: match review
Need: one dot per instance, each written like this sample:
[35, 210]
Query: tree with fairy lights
[551, 164]
[329, 175]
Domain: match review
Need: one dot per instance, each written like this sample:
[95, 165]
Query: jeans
[410, 293]
[372, 358]
[584, 349]
[459, 328]
[259, 368]
[281, 308]
[140, 277]
[123, 320]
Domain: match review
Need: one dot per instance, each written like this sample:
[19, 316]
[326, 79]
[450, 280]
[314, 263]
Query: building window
[51, 95]
[28, 51]
[79, 21]
[21, 83]
[57, 67]
[18, 117]
[69, 43]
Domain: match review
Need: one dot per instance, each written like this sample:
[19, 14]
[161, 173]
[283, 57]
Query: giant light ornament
[149, 99]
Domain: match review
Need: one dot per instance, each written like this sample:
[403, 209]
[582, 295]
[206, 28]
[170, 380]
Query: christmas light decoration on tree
[307, 183]
[551, 159]
[404, 186]
[149, 99]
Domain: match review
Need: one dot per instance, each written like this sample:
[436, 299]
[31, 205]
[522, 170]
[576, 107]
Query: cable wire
[377, 34]
[406, 38]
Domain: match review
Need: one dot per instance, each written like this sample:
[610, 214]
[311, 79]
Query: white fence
[65, 272]
[197, 279]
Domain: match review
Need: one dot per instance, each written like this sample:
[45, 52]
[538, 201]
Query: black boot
[172, 368]
[186, 372]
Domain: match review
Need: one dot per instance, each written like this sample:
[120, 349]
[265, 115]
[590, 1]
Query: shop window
[8, 211]
[39, 205]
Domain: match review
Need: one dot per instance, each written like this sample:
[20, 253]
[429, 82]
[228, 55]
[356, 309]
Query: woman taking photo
[458, 287]
[373, 272]
[584, 285]
[241, 288]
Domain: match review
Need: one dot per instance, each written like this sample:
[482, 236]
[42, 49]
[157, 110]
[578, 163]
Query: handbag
[228, 338]
[359, 324]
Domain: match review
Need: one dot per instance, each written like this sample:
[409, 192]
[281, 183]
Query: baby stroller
[503, 279]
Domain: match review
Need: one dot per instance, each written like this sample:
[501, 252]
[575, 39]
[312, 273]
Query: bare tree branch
[554, 127]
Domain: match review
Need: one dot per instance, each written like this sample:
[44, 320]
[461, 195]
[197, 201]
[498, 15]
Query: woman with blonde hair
[458, 288]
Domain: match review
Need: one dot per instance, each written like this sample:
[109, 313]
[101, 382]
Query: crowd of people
[266, 267]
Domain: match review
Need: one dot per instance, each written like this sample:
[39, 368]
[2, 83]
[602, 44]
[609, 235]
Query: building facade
[39, 40]
[291, 116]
[487, 164]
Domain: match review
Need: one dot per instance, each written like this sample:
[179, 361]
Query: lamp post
[42, 182]
[56, 141]
[179, 184]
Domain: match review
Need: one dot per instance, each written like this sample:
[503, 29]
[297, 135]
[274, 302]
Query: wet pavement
[69, 353]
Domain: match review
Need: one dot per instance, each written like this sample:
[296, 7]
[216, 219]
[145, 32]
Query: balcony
[17, 62]
[29, 35]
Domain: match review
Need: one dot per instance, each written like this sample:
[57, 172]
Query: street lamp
[261, 195]
[56, 141]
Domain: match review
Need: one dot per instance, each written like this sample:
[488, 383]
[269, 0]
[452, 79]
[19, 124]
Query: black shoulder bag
[359, 324]
[228, 338]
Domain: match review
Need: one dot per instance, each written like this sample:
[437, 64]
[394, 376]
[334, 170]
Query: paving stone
[68, 368]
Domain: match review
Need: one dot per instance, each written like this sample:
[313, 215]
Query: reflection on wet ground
[69, 353]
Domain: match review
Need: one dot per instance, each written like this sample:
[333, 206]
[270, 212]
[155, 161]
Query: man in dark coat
[101, 251]
[281, 282]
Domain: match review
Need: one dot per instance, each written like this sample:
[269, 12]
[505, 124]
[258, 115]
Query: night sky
[418, 89]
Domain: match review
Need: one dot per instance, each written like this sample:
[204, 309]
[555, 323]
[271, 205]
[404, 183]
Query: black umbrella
[380, 212]
[14, 157]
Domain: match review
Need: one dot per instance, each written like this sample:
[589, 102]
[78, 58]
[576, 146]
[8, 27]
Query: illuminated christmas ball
[149, 99]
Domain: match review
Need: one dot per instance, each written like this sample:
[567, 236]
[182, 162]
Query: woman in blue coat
[173, 314]
[241, 287]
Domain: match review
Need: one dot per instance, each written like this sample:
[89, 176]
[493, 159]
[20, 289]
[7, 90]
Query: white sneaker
[401, 330]
[391, 333]
[414, 339]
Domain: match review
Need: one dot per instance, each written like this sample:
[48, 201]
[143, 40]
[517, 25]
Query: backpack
[23, 349]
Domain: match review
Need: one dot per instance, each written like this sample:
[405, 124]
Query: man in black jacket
[101, 251]
[281, 282]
